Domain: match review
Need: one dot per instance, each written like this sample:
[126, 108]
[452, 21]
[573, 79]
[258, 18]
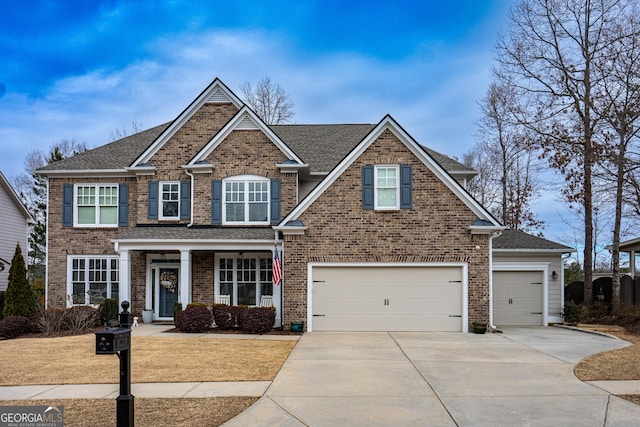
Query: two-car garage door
[387, 298]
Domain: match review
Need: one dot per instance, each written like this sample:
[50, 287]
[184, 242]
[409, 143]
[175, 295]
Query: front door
[166, 291]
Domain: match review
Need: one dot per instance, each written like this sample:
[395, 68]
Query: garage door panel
[517, 298]
[387, 298]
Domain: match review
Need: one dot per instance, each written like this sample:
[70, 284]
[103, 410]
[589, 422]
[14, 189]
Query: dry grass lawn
[72, 360]
[147, 412]
[621, 364]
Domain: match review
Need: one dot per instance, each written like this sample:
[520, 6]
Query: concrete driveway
[523, 376]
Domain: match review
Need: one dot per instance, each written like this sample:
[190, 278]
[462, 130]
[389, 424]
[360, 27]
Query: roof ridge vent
[218, 97]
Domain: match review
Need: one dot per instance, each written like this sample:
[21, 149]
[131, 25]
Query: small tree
[19, 299]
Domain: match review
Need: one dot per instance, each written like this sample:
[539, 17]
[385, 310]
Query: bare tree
[33, 191]
[269, 101]
[548, 56]
[124, 132]
[619, 104]
[505, 166]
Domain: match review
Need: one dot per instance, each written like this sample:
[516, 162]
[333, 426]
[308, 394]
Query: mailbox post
[118, 341]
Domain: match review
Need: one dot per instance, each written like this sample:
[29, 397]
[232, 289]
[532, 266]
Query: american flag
[277, 268]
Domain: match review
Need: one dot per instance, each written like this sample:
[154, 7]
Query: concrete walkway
[523, 376]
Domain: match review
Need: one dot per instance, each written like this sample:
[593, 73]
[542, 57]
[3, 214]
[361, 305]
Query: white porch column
[185, 277]
[124, 286]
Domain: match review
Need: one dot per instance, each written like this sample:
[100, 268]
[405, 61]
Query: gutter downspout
[491, 237]
[188, 172]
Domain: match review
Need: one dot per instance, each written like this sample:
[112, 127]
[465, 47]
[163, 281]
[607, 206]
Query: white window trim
[234, 256]
[160, 210]
[96, 224]
[245, 179]
[375, 188]
[86, 258]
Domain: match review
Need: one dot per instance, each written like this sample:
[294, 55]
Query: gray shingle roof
[321, 146]
[197, 233]
[516, 239]
[116, 155]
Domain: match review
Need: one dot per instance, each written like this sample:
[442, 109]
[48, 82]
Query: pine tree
[19, 299]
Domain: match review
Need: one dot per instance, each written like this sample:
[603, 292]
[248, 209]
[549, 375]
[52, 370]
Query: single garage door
[387, 298]
[517, 298]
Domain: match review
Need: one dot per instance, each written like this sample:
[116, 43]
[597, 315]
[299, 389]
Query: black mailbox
[111, 341]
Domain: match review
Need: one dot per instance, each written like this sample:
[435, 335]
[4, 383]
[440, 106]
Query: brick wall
[339, 230]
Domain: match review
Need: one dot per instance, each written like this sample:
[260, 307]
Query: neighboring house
[632, 247]
[375, 232]
[14, 228]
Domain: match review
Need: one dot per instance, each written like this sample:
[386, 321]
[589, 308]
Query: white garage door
[517, 298]
[387, 298]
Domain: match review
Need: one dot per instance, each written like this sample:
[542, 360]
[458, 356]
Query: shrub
[258, 320]
[80, 318]
[14, 326]
[224, 316]
[19, 300]
[39, 292]
[194, 319]
[597, 311]
[237, 312]
[177, 308]
[108, 310]
[572, 313]
[49, 321]
[2, 294]
[197, 304]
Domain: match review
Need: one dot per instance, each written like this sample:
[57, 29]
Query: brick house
[374, 231]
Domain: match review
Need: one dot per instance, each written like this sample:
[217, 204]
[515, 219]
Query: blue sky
[80, 69]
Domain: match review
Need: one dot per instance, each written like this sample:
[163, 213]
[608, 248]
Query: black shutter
[406, 201]
[67, 205]
[367, 187]
[123, 205]
[275, 201]
[153, 200]
[216, 202]
[185, 199]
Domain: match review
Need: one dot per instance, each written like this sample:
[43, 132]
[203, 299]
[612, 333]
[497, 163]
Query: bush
[224, 316]
[572, 313]
[197, 304]
[80, 318]
[14, 326]
[19, 299]
[49, 321]
[258, 320]
[2, 294]
[597, 311]
[177, 308]
[194, 319]
[39, 292]
[108, 310]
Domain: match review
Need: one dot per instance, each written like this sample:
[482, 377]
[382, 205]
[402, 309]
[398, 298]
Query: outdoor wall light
[554, 275]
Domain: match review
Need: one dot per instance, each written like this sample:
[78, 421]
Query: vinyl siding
[13, 229]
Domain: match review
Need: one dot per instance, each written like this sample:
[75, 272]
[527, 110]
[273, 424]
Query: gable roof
[244, 119]
[13, 196]
[514, 240]
[388, 123]
[216, 92]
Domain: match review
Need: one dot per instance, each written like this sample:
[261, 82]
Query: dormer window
[246, 200]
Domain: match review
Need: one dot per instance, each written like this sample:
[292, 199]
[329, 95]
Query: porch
[160, 266]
